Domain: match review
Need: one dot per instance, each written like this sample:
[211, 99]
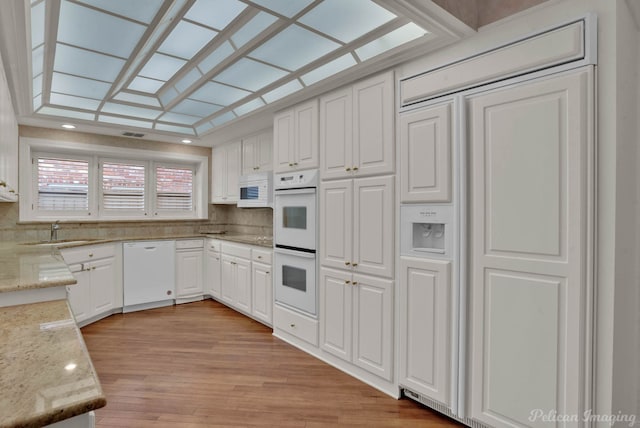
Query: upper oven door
[295, 218]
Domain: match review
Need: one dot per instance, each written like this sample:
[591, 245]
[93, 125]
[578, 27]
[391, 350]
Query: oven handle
[303, 191]
[303, 254]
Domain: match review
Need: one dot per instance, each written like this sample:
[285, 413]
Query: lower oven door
[295, 280]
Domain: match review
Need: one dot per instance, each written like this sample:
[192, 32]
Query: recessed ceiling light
[68, 126]
[187, 141]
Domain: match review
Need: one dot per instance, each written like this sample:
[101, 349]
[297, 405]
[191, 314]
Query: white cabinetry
[227, 160]
[99, 288]
[262, 282]
[425, 364]
[530, 147]
[356, 225]
[425, 154]
[356, 319]
[213, 279]
[295, 138]
[356, 129]
[257, 153]
[236, 282]
[8, 143]
[189, 270]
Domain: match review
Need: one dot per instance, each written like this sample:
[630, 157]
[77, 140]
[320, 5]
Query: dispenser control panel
[426, 230]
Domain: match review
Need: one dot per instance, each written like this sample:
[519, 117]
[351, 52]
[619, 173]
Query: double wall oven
[295, 238]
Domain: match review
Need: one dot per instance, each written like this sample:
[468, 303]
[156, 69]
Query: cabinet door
[218, 175]
[79, 294]
[189, 273]
[103, 286]
[336, 132]
[264, 152]
[425, 154]
[425, 311]
[213, 278]
[243, 285]
[373, 226]
[261, 281]
[306, 135]
[529, 149]
[249, 154]
[336, 200]
[283, 140]
[335, 313]
[373, 325]
[373, 133]
[228, 275]
[234, 161]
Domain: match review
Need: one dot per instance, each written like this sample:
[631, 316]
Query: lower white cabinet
[236, 282]
[213, 273]
[189, 270]
[261, 279]
[98, 289]
[356, 320]
[425, 327]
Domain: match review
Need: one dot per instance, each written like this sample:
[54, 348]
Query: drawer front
[189, 243]
[296, 324]
[237, 250]
[262, 256]
[86, 253]
[214, 244]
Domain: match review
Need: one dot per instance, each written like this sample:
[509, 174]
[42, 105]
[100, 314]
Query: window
[62, 185]
[174, 189]
[81, 180]
[123, 187]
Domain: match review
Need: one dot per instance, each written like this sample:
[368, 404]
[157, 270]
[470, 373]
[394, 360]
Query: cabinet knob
[290, 164]
[292, 325]
[93, 268]
[267, 272]
[3, 184]
[169, 293]
[347, 263]
[355, 168]
[90, 254]
[259, 257]
[354, 264]
[347, 282]
[355, 282]
[348, 169]
[295, 163]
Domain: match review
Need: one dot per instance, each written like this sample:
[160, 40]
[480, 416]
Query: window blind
[63, 184]
[123, 186]
[174, 189]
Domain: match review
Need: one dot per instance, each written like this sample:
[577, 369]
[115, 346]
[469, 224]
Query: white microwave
[256, 190]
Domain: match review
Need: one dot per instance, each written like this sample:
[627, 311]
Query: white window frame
[173, 214]
[118, 214]
[95, 153]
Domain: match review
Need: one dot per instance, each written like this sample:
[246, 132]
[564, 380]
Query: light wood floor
[204, 365]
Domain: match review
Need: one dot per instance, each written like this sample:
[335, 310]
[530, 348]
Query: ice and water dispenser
[426, 230]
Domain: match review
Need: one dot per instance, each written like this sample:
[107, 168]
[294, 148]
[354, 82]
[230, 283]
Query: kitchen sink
[59, 242]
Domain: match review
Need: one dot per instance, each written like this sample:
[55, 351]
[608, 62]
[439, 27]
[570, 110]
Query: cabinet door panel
[243, 285]
[425, 154]
[373, 133]
[283, 141]
[262, 292]
[336, 200]
[336, 132]
[373, 325]
[234, 160]
[103, 280]
[213, 278]
[228, 293]
[335, 310]
[529, 149]
[249, 154]
[425, 327]
[79, 294]
[219, 163]
[264, 152]
[373, 225]
[189, 273]
[306, 135]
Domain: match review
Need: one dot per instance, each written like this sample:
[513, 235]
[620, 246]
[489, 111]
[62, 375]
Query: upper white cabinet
[257, 153]
[356, 129]
[8, 144]
[529, 151]
[227, 160]
[295, 138]
[425, 154]
[356, 225]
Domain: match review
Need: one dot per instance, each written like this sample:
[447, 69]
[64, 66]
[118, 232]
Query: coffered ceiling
[175, 69]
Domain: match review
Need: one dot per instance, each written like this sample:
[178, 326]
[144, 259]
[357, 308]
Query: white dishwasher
[149, 274]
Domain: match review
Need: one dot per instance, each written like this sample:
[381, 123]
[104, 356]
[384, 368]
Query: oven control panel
[297, 179]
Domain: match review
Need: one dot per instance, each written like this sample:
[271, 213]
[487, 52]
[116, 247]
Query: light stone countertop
[46, 374]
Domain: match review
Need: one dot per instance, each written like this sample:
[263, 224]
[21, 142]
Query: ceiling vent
[133, 134]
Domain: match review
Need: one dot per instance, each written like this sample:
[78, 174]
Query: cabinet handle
[347, 263]
[354, 264]
[259, 257]
[348, 169]
[347, 282]
[355, 282]
[267, 272]
[355, 168]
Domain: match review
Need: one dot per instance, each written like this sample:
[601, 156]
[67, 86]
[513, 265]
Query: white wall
[616, 250]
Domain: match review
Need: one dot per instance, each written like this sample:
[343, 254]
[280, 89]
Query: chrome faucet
[54, 231]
